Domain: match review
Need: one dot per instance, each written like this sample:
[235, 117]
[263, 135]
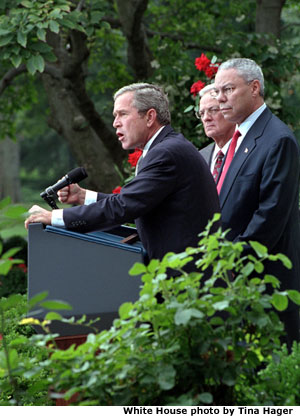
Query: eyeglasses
[226, 91]
[210, 111]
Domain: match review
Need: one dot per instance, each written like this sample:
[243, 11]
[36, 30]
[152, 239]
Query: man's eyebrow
[228, 84]
[121, 110]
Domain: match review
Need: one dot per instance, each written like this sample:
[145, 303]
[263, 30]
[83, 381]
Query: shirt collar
[246, 125]
[148, 144]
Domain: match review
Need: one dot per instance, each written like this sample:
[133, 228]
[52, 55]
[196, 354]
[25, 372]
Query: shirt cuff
[90, 197]
[57, 218]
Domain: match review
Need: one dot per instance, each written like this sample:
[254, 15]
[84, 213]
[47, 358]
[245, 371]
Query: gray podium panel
[89, 271]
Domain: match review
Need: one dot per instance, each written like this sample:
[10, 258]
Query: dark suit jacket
[171, 199]
[207, 153]
[260, 195]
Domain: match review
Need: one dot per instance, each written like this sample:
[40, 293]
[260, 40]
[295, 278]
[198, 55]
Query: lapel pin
[246, 150]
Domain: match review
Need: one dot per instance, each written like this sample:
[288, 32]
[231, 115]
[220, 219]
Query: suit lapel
[207, 153]
[165, 131]
[161, 136]
[244, 151]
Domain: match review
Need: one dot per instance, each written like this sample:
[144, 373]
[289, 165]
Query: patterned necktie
[218, 163]
[229, 158]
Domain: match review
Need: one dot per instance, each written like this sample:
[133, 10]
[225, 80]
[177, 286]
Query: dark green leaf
[22, 39]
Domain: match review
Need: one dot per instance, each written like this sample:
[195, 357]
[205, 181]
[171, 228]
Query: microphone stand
[49, 199]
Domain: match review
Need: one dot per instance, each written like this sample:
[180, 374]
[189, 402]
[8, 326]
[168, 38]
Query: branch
[10, 76]
[80, 5]
[180, 38]
[116, 24]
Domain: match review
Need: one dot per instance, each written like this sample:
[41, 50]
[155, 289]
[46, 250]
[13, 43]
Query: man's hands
[38, 214]
[72, 194]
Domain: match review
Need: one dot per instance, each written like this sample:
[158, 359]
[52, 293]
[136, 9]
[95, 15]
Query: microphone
[74, 176]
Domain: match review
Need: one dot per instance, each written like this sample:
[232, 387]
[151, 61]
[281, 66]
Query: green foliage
[13, 251]
[208, 338]
[278, 384]
[14, 282]
[17, 356]
[24, 28]
[10, 215]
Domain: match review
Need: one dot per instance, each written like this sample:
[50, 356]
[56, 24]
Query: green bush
[15, 281]
[197, 347]
[201, 345]
[18, 383]
[278, 384]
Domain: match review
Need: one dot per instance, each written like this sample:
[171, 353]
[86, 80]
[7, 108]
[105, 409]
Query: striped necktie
[218, 164]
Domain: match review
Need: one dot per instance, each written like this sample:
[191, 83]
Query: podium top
[110, 238]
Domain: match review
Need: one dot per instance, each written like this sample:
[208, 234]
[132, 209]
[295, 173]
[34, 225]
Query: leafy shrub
[19, 385]
[15, 281]
[195, 348]
[13, 251]
[199, 346]
[278, 384]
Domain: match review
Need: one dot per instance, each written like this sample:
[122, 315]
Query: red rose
[134, 157]
[202, 62]
[211, 70]
[117, 190]
[196, 87]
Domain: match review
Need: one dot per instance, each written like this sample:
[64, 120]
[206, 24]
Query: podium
[89, 271]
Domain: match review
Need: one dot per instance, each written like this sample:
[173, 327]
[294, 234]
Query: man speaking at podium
[173, 194]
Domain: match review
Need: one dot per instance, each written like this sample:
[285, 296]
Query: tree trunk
[10, 170]
[268, 16]
[92, 143]
[139, 55]
[86, 147]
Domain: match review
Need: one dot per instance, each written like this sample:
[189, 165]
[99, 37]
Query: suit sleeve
[155, 181]
[278, 194]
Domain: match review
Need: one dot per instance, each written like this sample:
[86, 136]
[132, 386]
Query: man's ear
[255, 87]
[151, 117]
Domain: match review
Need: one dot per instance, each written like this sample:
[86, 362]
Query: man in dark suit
[216, 127]
[171, 198]
[259, 194]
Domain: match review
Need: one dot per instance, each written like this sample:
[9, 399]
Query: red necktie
[218, 164]
[229, 158]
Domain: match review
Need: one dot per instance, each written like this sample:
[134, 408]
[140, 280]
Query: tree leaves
[35, 63]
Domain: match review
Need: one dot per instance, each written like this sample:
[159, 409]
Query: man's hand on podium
[38, 214]
[72, 194]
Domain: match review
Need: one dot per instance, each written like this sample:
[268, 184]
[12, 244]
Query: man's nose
[221, 96]
[206, 115]
[116, 122]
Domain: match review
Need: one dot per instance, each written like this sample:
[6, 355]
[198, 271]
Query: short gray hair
[148, 96]
[247, 69]
[207, 88]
